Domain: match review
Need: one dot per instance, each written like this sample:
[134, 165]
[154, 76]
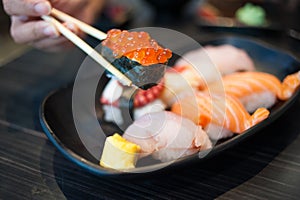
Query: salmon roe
[137, 46]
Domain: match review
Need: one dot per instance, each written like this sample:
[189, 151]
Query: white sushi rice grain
[265, 99]
[113, 114]
[216, 132]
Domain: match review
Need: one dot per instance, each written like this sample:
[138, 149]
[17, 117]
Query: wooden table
[266, 166]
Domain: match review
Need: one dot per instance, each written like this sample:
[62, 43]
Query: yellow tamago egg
[118, 153]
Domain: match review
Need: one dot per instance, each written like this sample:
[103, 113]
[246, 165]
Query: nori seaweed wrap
[136, 55]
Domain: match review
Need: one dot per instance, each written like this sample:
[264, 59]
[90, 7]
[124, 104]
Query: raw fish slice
[259, 89]
[244, 83]
[289, 85]
[226, 58]
[168, 154]
[226, 112]
[179, 81]
[168, 135]
[190, 75]
[230, 59]
[154, 106]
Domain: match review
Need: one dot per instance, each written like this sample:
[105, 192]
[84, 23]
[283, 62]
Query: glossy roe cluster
[137, 46]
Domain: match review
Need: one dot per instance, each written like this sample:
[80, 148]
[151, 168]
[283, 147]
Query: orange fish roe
[137, 46]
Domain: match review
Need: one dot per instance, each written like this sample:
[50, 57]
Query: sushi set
[264, 89]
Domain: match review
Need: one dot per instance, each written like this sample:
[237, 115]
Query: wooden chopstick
[81, 25]
[88, 50]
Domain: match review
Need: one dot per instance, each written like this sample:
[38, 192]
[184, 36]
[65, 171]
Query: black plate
[57, 120]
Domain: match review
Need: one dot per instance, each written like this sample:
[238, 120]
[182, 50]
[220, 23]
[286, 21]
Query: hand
[28, 28]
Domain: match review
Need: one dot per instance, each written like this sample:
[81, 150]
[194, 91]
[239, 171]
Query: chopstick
[88, 50]
[81, 25]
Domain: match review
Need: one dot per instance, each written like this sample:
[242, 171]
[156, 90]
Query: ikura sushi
[216, 112]
[136, 55]
[259, 89]
[167, 136]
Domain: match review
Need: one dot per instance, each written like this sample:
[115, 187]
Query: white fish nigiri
[167, 136]
[154, 106]
[226, 58]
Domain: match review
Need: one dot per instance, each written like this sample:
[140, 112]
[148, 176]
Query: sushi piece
[167, 136]
[112, 92]
[226, 58]
[117, 100]
[215, 112]
[118, 153]
[113, 114]
[147, 101]
[190, 75]
[114, 103]
[180, 81]
[143, 97]
[259, 89]
[136, 55]
[154, 106]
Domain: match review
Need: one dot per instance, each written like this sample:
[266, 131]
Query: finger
[75, 29]
[70, 25]
[27, 7]
[53, 44]
[25, 32]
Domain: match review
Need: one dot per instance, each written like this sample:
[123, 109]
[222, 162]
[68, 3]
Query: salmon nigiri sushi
[219, 115]
[259, 89]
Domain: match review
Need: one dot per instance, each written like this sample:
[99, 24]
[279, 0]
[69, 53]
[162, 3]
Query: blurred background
[8, 49]
[250, 17]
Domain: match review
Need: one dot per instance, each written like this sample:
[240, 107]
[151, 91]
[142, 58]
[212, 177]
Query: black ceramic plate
[57, 119]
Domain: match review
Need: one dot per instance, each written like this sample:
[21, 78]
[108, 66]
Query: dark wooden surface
[266, 166]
